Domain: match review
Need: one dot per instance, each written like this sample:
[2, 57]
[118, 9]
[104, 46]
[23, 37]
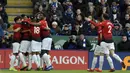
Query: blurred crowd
[4, 24]
[68, 17]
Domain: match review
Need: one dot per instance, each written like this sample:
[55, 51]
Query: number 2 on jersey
[110, 28]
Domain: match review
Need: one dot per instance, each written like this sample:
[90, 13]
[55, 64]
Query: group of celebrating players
[31, 39]
[105, 44]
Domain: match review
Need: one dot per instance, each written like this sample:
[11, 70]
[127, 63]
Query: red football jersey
[44, 33]
[25, 35]
[27, 20]
[99, 34]
[35, 31]
[17, 35]
[99, 30]
[107, 27]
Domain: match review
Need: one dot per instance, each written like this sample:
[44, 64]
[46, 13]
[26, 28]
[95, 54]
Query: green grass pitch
[63, 71]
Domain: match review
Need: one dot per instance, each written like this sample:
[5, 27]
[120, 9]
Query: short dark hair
[17, 18]
[23, 15]
[31, 17]
[106, 16]
[24, 23]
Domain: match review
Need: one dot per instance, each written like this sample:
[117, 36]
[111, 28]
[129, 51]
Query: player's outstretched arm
[92, 22]
[17, 30]
[47, 28]
[25, 31]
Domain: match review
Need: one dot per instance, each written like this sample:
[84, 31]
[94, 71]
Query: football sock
[12, 61]
[18, 58]
[94, 62]
[101, 60]
[110, 62]
[25, 58]
[22, 59]
[117, 57]
[38, 59]
[41, 63]
[48, 61]
[29, 61]
[35, 60]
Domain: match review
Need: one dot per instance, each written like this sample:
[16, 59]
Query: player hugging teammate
[31, 40]
[106, 46]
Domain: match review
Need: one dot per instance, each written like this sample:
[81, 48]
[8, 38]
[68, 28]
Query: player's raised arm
[92, 22]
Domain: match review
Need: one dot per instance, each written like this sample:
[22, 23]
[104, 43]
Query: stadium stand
[18, 7]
